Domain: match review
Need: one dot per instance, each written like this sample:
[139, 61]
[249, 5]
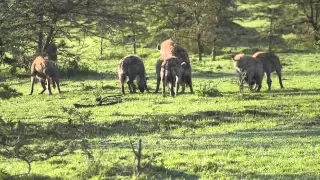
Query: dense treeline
[30, 28]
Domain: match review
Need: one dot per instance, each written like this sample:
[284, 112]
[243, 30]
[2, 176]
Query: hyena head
[173, 68]
[142, 82]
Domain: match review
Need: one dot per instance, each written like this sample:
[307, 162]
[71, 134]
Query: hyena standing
[169, 49]
[270, 63]
[45, 70]
[132, 67]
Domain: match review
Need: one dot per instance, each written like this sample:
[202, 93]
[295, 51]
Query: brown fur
[47, 71]
[250, 70]
[169, 49]
[270, 63]
[132, 67]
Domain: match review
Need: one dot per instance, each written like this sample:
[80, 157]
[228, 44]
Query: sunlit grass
[251, 135]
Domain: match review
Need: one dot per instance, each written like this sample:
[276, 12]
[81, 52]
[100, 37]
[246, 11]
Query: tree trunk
[101, 46]
[214, 50]
[270, 35]
[214, 53]
[134, 48]
[199, 47]
[40, 35]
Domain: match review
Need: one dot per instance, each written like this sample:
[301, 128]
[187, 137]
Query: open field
[234, 136]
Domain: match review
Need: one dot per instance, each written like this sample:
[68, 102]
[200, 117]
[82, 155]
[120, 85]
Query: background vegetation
[214, 133]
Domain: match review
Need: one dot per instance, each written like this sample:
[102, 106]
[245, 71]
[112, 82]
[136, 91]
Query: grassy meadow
[265, 135]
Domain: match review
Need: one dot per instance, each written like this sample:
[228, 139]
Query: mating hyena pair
[47, 71]
[252, 68]
[173, 68]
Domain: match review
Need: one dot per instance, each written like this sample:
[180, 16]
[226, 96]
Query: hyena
[130, 68]
[270, 63]
[47, 71]
[171, 75]
[250, 70]
[169, 49]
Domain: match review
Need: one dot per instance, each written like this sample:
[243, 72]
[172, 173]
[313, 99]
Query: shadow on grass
[158, 172]
[6, 92]
[301, 73]
[296, 92]
[93, 75]
[273, 176]
[33, 177]
[211, 75]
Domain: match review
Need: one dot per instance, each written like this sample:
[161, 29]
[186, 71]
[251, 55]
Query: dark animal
[132, 67]
[47, 71]
[171, 75]
[250, 70]
[270, 63]
[169, 49]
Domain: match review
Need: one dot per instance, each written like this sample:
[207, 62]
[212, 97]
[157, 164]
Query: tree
[304, 14]
[30, 28]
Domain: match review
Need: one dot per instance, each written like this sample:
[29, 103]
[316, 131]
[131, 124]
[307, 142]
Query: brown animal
[47, 71]
[270, 63]
[250, 70]
[169, 49]
[171, 75]
[132, 67]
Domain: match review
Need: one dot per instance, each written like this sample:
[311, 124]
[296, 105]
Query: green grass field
[265, 135]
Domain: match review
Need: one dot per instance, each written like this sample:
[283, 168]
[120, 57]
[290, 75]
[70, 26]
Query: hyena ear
[158, 47]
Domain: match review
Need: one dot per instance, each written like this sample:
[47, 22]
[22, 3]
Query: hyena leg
[176, 86]
[58, 86]
[163, 87]
[183, 85]
[242, 76]
[32, 85]
[122, 79]
[189, 82]
[130, 86]
[43, 84]
[269, 81]
[280, 79]
[134, 87]
[49, 86]
[158, 83]
[258, 84]
[171, 84]
[250, 79]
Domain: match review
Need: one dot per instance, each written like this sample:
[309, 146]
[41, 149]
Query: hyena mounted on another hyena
[270, 63]
[169, 49]
[131, 67]
[47, 71]
[250, 70]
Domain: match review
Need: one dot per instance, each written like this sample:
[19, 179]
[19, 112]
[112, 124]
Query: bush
[208, 90]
